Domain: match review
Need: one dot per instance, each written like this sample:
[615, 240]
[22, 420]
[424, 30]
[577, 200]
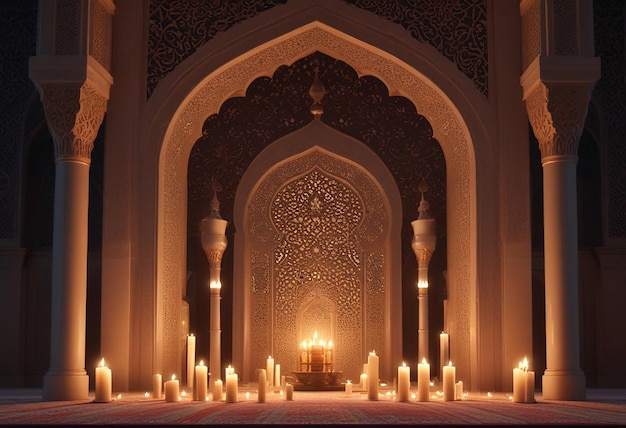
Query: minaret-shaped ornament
[424, 243]
[317, 92]
[214, 242]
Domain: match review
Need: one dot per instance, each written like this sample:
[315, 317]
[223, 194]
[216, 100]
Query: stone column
[74, 105]
[557, 100]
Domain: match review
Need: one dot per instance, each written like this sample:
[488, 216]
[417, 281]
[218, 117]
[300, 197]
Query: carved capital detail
[213, 255]
[423, 256]
[557, 114]
[74, 113]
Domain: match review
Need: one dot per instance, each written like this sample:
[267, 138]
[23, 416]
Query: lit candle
[289, 392]
[262, 385]
[191, 359]
[449, 379]
[103, 383]
[232, 387]
[228, 370]
[423, 381]
[523, 383]
[217, 390]
[200, 376]
[348, 387]
[404, 382]
[172, 393]
[372, 376]
[157, 385]
[270, 371]
[277, 376]
[444, 350]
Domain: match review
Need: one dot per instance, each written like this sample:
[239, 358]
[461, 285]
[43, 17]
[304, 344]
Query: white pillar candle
[404, 383]
[449, 379]
[172, 390]
[270, 371]
[423, 381]
[103, 383]
[217, 390]
[444, 351]
[348, 389]
[232, 387]
[518, 385]
[372, 376]
[191, 359]
[458, 390]
[289, 392]
[200, 376]
[157, 385]
[530, 387]
[277, 376]
[262, 385]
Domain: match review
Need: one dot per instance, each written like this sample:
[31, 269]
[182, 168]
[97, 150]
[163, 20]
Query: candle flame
[450, 363]
[330, 344]
[403, 364]
[102, 362]
[173, 377]
[201, 362]
[424, 360]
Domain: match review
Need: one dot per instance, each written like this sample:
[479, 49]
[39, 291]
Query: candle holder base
[318, 381]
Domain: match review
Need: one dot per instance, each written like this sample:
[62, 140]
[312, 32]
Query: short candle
[423, 381]
[103, 383]
[404, 382]
[449, 380]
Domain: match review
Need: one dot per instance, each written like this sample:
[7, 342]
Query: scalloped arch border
[233, 77]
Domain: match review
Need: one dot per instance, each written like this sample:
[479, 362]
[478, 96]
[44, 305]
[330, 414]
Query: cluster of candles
[270, 377]
[523, 383]
[316, 355]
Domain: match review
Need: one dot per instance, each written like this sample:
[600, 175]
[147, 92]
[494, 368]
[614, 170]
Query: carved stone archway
[205, 98]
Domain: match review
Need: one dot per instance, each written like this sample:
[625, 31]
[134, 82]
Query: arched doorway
[322, 224]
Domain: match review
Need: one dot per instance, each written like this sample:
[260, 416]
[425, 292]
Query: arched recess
[362, 274]
[211, 76]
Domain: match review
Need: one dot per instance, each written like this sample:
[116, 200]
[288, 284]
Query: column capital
[74, 91]
[557, 94]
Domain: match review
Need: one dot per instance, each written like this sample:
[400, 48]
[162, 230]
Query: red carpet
[603, 407]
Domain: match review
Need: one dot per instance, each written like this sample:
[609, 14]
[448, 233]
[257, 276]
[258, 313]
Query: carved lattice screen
[317, 261]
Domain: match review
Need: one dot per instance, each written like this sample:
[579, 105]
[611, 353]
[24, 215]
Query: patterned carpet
[602, 407]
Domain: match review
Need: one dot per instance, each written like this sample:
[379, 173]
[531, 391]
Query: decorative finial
[317, 92]
[215, 203]
[424, 206]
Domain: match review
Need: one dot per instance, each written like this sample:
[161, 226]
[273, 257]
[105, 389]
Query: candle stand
[424, 243]
[214, 242]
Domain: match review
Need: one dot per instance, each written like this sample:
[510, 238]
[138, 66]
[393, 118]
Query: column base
[563, 385]
[66, 387]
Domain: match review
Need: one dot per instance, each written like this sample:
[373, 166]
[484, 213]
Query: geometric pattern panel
[456, 29]
[318, 225]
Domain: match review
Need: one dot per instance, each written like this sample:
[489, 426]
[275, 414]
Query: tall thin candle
[372, 376]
